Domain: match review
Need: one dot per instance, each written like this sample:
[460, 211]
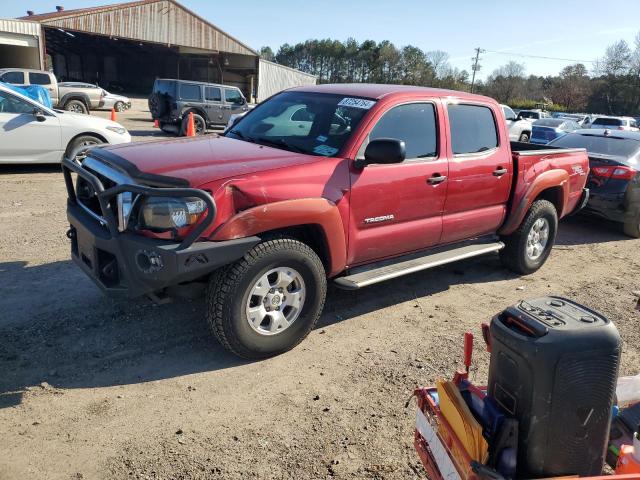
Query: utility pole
[475, 67]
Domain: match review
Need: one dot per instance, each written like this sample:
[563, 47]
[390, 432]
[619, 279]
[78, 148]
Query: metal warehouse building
[129, 45]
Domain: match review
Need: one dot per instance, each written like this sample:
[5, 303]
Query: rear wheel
[528, 248]
[76, 106]
[76, 150]
[524, 137]
[198, 122]
[267, 302]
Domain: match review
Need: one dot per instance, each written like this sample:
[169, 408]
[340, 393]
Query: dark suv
[211, 104]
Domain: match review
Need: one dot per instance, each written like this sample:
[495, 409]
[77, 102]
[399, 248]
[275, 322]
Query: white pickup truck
[519, 128]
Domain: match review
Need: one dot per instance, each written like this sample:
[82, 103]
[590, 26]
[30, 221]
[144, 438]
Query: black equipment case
[554, 366]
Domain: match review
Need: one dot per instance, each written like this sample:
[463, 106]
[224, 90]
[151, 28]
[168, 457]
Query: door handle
[498, 172]
[436, 179]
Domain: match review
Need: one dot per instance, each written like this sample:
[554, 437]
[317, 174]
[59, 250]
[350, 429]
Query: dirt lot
[92, 388]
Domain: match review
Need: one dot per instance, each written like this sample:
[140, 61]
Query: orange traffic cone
[156, 124]
[191, 126]
[113, 115]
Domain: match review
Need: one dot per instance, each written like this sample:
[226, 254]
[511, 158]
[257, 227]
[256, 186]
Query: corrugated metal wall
[19, 26]
[273, 78]
[162, 22]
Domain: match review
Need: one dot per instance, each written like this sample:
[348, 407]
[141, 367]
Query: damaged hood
[196, 161]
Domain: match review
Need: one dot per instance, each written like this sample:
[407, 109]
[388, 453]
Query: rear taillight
[617, 173]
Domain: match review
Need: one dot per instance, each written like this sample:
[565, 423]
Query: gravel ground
[92, 388]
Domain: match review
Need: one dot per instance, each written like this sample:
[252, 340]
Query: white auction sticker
[357, 103]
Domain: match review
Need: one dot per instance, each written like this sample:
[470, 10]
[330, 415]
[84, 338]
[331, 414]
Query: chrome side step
[397, 267]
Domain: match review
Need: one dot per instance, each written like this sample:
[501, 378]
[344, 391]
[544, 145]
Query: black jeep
[172, 100]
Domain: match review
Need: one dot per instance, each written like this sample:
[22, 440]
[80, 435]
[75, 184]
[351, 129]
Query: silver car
[119, 103]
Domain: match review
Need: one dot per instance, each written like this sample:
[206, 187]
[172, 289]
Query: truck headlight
[168, 213]
[119, 130]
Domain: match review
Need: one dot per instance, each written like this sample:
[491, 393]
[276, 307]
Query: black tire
[229, 290]
[119, 107]
[77, 147]
[514, 256]
[632, 227]
[76, 106]
[169, 128]
[524, 137]
[157, 105]
[198, 122]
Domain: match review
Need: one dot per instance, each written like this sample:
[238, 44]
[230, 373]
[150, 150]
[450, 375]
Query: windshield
[548, 122]
[312, 123]
[608, 121]
[525, 114]
[600, 145]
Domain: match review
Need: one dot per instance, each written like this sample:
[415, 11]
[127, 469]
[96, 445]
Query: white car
[118, 102]
[519, 128]
[33, 133]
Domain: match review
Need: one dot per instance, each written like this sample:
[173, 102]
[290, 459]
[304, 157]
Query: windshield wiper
[242, 136]
[280, 143]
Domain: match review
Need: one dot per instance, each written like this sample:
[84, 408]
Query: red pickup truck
[355, 183]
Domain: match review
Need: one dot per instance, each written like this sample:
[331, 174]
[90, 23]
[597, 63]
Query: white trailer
[273, 78]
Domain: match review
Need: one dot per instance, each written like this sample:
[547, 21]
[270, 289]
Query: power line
[524, 55]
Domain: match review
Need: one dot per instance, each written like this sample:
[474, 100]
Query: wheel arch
[315, 221]
[82, 97]
[552, 185]
[84, 134]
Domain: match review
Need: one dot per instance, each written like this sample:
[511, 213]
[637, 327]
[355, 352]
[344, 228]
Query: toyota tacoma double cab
[358, 184]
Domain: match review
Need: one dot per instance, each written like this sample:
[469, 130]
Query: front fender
[524, 199]
[292, 213]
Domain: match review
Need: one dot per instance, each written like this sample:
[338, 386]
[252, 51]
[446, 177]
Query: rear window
[473, 129]
[165, 87]
[39, 78]
[525, 114]
[598, 144]
[616, 122]
[549, 122]
[189, 91]
[16, 78]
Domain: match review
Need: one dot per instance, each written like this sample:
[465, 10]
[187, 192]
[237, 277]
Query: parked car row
[77, 97]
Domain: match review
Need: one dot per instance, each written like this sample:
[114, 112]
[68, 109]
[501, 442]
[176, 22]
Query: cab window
[36, 78]
[213, 94]
[16, 78]
[473, 129]
[414, 123]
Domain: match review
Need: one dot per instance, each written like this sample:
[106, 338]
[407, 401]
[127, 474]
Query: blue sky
[571, 29]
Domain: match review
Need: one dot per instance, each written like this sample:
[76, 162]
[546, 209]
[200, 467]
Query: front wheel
[77, 149]
[199, 124]
[119, 107]
[267, 302]
[528, 248]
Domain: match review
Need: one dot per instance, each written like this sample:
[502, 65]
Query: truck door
[480, 171]
[234, 102]
[397, 208]
[213, 104]
[45, 80]
[18, 129]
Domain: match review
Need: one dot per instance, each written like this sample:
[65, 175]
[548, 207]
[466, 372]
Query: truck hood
[201, 160]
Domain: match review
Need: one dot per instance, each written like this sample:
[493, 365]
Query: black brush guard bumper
[126, 264]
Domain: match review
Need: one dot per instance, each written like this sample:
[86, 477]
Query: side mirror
[383, 151]
[39, 114]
